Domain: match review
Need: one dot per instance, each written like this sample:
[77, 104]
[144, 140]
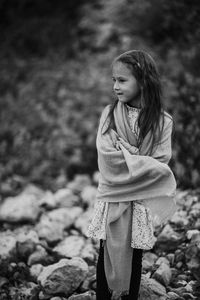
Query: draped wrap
[131, 174]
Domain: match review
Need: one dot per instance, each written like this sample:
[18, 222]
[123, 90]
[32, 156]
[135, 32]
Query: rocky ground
[45, 253]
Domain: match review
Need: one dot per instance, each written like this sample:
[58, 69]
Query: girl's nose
[116, 86]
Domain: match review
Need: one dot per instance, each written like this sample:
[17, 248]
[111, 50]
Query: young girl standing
[136, 185]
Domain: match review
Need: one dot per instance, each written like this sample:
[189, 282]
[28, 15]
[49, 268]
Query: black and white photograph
[99, 150]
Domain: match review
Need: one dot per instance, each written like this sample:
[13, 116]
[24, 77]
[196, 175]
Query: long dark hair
[144, 70]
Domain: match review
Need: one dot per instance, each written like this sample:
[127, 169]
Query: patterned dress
[142, 223]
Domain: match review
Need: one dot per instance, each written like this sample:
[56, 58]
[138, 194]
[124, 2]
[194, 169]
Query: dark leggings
[102, 291]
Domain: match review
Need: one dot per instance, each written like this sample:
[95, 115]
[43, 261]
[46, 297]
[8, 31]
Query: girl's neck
[134, 106]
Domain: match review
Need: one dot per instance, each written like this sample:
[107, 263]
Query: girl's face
[125, 86]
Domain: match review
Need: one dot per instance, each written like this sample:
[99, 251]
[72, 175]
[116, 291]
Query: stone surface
[192, 255]
[149, 260]
[169, 239]
[79, 182]
[7, 246]
[180, 218]
[21, 208]
[35, 271]
[38, 256]
[90, 295]
[65, 198]
[63, 277]
[163, 274]
[174, 296]
[88, 195]
[52, 225]
[82, 222]
[70, 247]
[89, 253]
[49, 230]
[151, 289]
[48, 200]
[90, 279]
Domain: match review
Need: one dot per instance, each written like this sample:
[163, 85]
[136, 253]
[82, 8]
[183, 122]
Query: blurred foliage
[55, 80]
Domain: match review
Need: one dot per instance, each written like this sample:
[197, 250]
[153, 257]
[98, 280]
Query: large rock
[148, 261]
[90, 295]
[52, 224]
[151, 289]
[83, 221]
[70, 247]
[39, 256]
[88, 195]
[27, 241]
[180, 218]
[7, 246]
[79, 182]
[192, 254]
[163, 274]
[22, 208]
[64, 276]
[48, 200]
[66, 198]
[168, 239]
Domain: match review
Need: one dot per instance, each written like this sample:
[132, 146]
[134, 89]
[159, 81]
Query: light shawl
[128, 174]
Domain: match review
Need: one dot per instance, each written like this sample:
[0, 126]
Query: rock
[95, 177]
[43, 296]
[52, 225]
[48, 230]
[192, 234]
[79, 182]
[70, 247]
[48, 200]
[90, 279]
[181, 197]
[179, 255]
[22, 208]
[28, 290]
[180, 218]
[195, 211]
[151, 289]
[192, 255]
[65, 216]
[197, 224]
[35, 271]
[163, 274]
[83, 221]
[174, 296]
[63, 277]
[65, 198]
[88, 195]
[39, 256]
[148, 261]
[179, 265]
[180, 283]
[171, 258]
[7, 246]
[26, 242]
[168, 239]
[90, 295]
[3, 281]
[88, 253]
[161, 260]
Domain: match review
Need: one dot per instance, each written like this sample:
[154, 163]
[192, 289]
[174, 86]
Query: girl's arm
[163, 151]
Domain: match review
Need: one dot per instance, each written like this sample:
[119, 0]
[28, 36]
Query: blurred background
[55, 79]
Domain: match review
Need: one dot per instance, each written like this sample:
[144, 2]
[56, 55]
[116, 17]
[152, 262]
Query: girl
[136, 185]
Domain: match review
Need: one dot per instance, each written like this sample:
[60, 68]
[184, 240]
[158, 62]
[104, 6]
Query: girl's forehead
[121, 69]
